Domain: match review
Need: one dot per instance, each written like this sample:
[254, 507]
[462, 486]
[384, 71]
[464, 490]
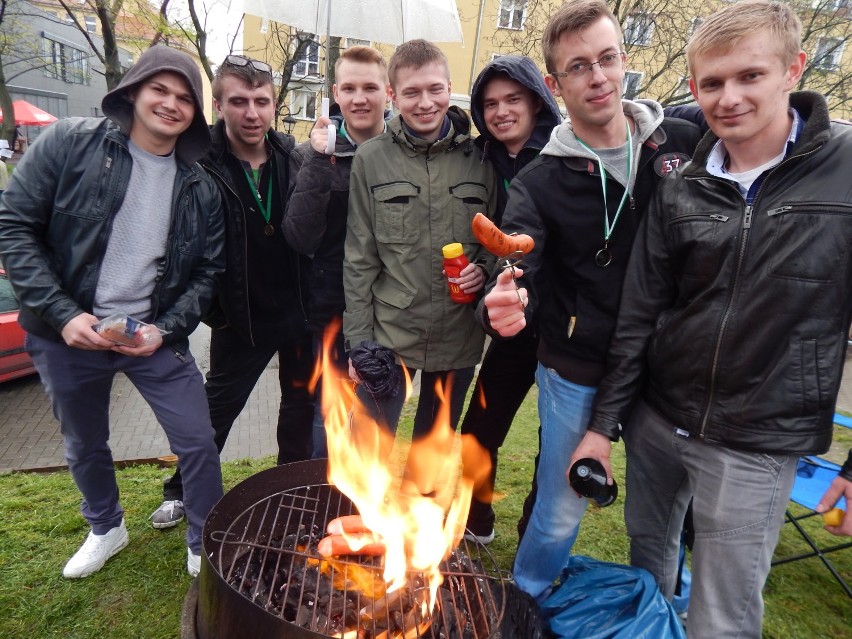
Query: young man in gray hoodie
[114, 215]
[581, 201]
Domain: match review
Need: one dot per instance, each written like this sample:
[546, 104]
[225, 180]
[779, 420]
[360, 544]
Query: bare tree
[826, 32]
[137, 23]
[8, 36]
[283, 49]
[656, 33]
[107, 11]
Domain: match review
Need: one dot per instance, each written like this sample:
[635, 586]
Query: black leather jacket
[56, 217]
[232, 306]
[734, 318]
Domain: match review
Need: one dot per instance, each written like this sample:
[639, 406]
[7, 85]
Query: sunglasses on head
[241, 61]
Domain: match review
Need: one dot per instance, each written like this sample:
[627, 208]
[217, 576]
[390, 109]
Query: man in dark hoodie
[113, 215]
[315, 221]
[515, 113]
[581, 200]
[258, 311]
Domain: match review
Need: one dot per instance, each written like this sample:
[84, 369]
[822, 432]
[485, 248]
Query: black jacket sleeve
[306, 217]
[649, 289]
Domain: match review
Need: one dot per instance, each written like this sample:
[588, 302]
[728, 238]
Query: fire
[419, 512]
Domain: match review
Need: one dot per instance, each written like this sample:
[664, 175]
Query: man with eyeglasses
[581, 200]
[260, 309]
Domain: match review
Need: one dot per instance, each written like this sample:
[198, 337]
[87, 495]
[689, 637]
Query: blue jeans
[339, 366]
[738, 504]
[564, 409]
[79, 383]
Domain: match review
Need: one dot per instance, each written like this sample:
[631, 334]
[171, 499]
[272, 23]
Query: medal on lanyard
[266, 211]
[603, 257]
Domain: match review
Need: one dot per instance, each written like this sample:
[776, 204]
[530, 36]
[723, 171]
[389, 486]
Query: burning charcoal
[303, 617]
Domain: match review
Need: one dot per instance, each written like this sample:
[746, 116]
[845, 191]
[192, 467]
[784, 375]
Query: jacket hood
[523, 71]
[193, 143]
[646, 114]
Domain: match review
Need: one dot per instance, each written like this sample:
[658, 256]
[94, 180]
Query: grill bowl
[272, 503]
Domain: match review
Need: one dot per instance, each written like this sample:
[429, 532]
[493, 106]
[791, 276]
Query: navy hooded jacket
[524, 71]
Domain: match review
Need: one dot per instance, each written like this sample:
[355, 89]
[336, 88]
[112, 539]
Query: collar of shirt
[345, 133]
[719, 155]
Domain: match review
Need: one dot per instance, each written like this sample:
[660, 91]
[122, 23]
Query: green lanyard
[603, 257]
[266, 211]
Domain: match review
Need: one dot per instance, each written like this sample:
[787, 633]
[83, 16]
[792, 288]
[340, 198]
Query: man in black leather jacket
[732, 330]
[259, 311]
[114, 215]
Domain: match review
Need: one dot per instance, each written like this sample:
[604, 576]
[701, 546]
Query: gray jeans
[739, 499]
[79, 383]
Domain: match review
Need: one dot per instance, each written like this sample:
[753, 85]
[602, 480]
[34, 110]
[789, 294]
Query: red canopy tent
[27, 114]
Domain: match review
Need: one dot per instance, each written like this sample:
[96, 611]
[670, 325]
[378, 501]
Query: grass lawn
[139, 593]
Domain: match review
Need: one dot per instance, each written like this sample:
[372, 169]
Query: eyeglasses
[241, 61]
[579, 69]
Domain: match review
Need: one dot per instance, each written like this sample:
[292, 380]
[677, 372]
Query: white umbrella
[387, 21]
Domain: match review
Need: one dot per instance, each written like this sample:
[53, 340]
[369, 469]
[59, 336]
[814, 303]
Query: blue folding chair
[813, 477]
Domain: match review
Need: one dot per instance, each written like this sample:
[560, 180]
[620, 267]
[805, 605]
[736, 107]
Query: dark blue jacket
[525, 72]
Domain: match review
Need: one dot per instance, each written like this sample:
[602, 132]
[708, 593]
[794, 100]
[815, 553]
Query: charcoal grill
[260, 573]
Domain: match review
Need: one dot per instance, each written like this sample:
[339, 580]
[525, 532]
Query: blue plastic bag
[599, 600]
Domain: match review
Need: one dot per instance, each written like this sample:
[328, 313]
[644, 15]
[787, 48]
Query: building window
[308, 63]
[357, 42]
[632, 80]
[91, 25]
[694, 24]
[64, 62]
[828, 54]
[512, 14]
[639, 29]
[303, 104]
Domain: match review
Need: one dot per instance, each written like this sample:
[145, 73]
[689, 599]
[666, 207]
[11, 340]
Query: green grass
[140, 592]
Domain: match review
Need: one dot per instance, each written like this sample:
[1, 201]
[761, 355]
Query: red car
[14, 361]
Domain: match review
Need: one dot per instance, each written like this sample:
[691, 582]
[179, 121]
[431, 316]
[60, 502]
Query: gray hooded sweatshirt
[646, 114]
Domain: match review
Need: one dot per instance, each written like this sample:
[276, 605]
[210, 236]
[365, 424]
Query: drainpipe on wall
[476, 45]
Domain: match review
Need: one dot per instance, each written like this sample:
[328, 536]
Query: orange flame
[420, 511]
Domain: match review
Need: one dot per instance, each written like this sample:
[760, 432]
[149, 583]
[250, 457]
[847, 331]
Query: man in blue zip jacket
[515, 113]
[114, 215]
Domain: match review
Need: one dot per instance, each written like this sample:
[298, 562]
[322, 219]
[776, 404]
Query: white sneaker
[193, 562]
[95, 551]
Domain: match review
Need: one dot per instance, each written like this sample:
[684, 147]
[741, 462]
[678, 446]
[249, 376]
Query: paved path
[30, 439]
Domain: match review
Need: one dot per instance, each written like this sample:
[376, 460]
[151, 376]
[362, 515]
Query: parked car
[14, 361]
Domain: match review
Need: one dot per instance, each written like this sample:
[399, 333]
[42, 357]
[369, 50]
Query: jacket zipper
[832, 207]
[167, 261]
[746, 227]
